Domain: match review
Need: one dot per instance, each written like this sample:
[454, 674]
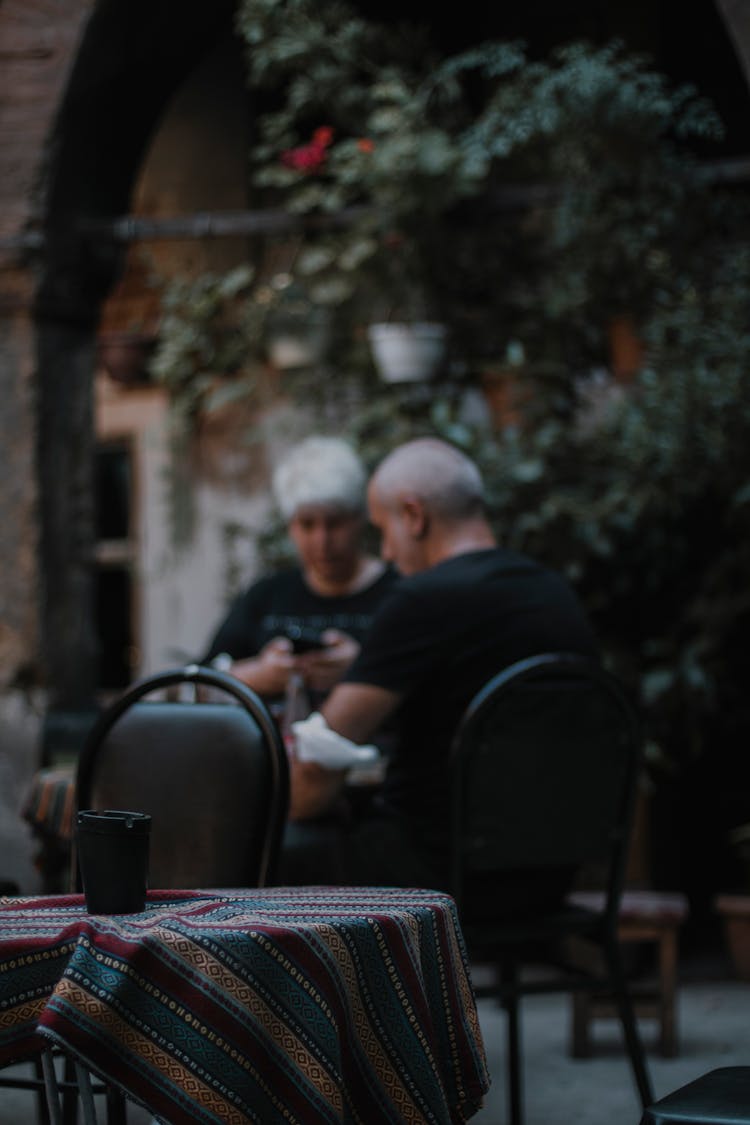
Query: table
[307, 1005]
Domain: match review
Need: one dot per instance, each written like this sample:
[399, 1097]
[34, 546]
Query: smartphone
[304, 638]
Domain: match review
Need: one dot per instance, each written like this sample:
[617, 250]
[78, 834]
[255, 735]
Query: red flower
[323, 136]
[306, 158]
[364, 144]
[309, 157]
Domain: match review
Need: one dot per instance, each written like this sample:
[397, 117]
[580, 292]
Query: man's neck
[364, 574]
[461, 540]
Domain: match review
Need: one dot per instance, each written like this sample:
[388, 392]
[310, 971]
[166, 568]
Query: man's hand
[268, 672]
[313, 789]
[354, 711]
[324, 667]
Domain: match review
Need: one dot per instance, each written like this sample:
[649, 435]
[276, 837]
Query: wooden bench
[645, 916]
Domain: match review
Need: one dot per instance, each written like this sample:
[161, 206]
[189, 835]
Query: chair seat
[655, 907]
[720, 1097]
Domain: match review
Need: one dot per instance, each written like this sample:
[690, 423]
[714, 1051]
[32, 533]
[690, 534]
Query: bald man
[464, 609]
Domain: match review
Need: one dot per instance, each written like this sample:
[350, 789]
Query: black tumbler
[113, 860]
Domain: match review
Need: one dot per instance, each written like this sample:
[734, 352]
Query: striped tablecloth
[304, 1005]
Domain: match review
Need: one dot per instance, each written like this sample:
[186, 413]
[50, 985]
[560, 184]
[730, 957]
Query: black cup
[113, 860]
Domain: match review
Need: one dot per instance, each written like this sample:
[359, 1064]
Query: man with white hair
[465, 609]
[308, 620]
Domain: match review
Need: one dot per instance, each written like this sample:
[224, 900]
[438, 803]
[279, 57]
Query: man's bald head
[445, 480]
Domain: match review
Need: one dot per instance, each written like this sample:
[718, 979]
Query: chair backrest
[545, 766]
[213, 776]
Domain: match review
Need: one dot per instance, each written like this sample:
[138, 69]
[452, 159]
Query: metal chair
[213, 776]
[720, 1097]
[544, 772]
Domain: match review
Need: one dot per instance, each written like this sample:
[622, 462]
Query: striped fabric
[304, 1005]
[49, 804]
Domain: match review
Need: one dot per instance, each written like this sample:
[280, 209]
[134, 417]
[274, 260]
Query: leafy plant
[416, 152]
[640, 493]
[209, 330]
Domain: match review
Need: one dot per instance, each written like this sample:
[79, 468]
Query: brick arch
[84, 83]
[132, 56]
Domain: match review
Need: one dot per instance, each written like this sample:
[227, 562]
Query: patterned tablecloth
[306, 1005]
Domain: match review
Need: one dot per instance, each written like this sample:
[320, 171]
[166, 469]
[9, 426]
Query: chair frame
[508, 949]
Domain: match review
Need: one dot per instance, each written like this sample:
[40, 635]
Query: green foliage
[209, 329]
[640, 493]
[208, 336]
[419, 147]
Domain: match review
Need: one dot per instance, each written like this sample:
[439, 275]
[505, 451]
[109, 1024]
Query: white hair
[320, 470]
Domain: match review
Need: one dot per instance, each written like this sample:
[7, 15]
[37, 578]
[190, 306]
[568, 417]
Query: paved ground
[714, 1022]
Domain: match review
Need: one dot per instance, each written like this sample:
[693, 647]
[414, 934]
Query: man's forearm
[356, 711]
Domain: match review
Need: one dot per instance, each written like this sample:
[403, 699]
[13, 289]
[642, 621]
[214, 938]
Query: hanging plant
[205, 344]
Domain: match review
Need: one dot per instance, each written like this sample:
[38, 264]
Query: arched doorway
[131, 60]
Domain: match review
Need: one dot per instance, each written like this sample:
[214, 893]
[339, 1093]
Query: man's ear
[415, 516]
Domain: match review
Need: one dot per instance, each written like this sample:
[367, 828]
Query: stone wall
[38, 42]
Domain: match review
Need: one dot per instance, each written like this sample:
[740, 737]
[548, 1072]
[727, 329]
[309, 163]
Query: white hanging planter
[287, 351]
[405, 353]
[300, 341]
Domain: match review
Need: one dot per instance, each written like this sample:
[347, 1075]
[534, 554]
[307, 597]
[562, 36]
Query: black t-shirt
[282, 601]
[438, 637]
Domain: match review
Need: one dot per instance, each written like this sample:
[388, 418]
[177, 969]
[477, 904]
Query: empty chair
[545, 766]
[212, 775]
[719, 1097]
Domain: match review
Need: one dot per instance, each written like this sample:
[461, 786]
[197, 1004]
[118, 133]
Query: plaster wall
[197, 160]
[38, 40]
[20, 709]
[182, 592]
[20, 718]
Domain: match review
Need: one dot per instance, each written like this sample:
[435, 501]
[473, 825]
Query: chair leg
[116, 1107]
[70, 1094]
[626, 1012]
[51, 1088]
[509, 979]
[42, 1109]
[580, 1041]
[83, 1079]
[668, 993]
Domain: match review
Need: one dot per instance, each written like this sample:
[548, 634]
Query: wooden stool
[645, 916]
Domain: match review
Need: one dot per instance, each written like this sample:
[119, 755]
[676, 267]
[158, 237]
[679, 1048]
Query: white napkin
[314, 741]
